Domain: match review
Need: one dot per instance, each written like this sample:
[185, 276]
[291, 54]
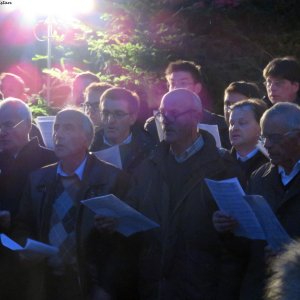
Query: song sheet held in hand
[130, 220]
[32, 246]
[254, 215]
[110, 155]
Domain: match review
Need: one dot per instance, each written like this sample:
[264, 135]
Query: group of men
[192, 254]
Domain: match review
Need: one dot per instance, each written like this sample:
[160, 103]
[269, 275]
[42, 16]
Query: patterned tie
[63, 219]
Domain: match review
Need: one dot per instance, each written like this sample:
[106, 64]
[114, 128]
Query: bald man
[51, 212]
[182, 259]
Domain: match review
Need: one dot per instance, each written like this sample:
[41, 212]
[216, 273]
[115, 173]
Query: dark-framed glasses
[116, 115]
[171, 116]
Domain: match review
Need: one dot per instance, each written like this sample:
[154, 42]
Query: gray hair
[87, 124]
[19, 106]
[289, 114]
[284, 284]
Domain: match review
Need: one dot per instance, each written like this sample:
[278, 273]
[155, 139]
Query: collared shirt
[195, 147]
[286, 178]
[246, 157]
[125, 142]
[78, 171]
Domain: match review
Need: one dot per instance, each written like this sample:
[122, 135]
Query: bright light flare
[62, 9]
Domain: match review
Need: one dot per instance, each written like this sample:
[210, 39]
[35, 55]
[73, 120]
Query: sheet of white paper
[276, 235]
[42, 248]
[213, 130]
[9, 243]
[110, 155]
[45, 124]
[130, 220]
[229, 197]
[159, 129]
[31, 246]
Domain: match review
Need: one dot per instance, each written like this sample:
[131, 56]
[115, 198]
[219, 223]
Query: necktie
[63, 219]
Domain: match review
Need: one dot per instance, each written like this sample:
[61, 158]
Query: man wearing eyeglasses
[92, 96]
[183, 258]
[18, 157]
[282, 80]
[186, 74]
[118, 111]
[278, 182]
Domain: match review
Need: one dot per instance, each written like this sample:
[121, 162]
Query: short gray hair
[19, 106]
[289, 114]
[87, 124]
[284, 284]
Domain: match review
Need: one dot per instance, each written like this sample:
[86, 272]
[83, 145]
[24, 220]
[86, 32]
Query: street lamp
[62, 10]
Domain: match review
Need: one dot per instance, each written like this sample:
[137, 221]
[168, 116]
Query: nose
[110, 118]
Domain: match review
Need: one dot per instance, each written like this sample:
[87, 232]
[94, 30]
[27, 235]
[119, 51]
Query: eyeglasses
[171, 116]
[6, 126]
[276, 83]
[276, 138]
[117, 115]
[90, 106]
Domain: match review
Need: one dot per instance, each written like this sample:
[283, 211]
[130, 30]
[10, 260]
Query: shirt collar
[79, 171]
[246, 157]
[195, 147]
[287, 178]
[125, 142]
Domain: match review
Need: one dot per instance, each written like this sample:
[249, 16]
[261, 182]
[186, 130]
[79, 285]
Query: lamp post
[49, 48]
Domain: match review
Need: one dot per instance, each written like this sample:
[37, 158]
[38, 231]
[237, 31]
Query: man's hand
[223, 222]
[5, 219]
[105, 224]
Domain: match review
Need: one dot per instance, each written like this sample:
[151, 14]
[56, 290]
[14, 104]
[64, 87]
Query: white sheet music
[31, 247]
[111, 155]
[129, 220]
[254, 215]
[213, 130]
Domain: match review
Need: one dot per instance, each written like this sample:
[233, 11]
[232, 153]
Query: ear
[198, 88]
[296, 86]
[132, 118]
[198, 116]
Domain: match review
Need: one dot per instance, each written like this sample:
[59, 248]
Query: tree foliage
[130, 42]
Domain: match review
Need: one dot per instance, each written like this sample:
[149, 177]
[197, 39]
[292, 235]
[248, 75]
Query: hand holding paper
[32, 248]
[129, 220]
[223, 222]
[255, 218]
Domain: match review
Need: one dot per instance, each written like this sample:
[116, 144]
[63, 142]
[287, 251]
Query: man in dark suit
[18, 157]
[183, 258]
[51, 212]
[278, 182]
[119, 109]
